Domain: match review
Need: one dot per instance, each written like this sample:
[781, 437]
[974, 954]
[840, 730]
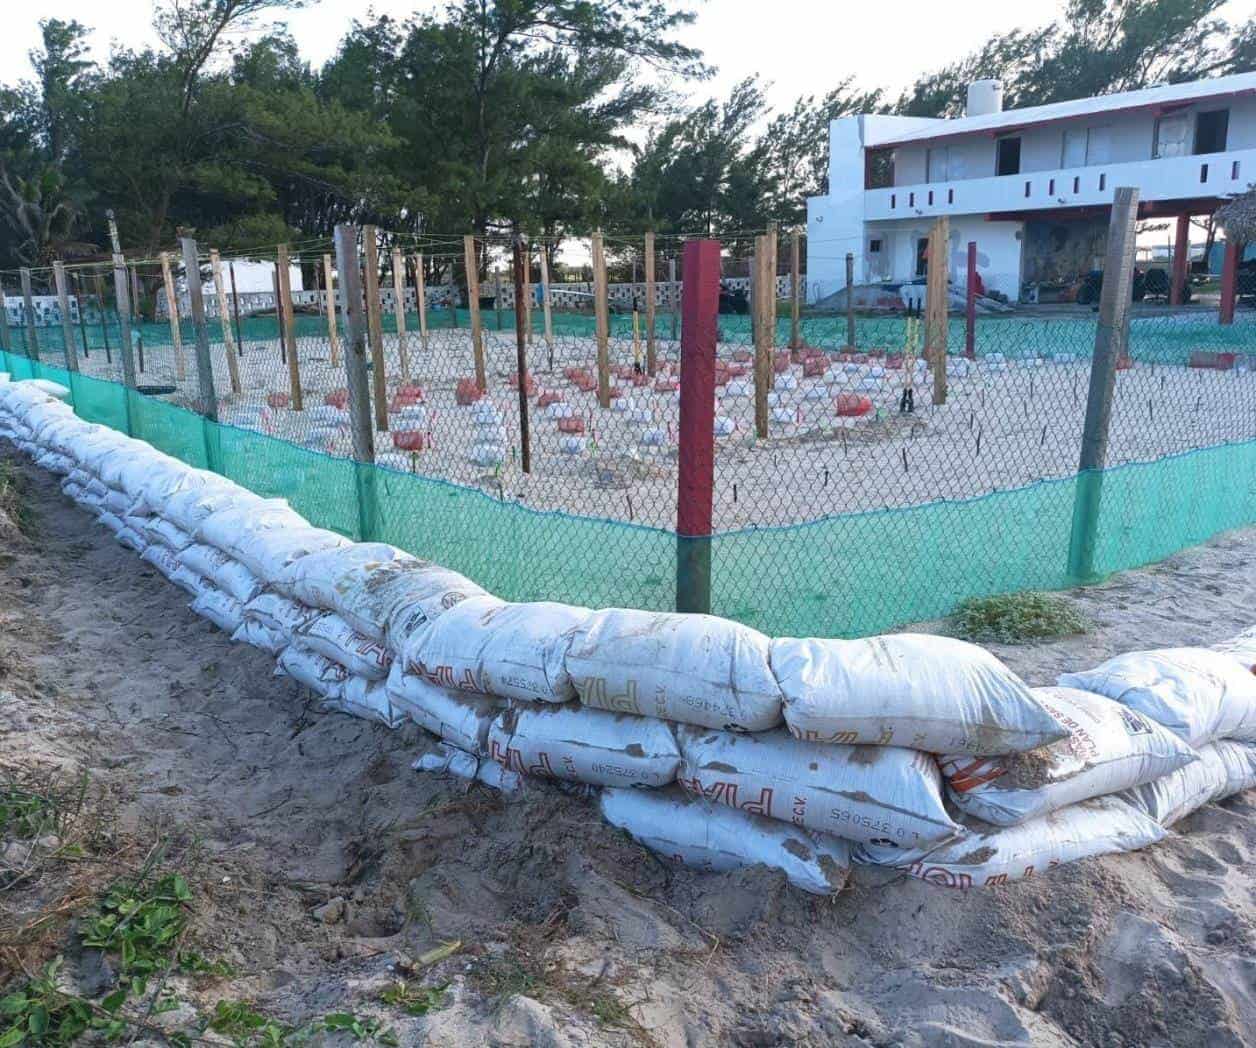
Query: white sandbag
[130, 460]
[52, 389]
[110, 520]
[930, 693]
[253, 632]
[448, 760]
[329, 635]
[135, 474]
[160, 558]
[223, 610]
[418, 594]
[1224, 768]
[278, 614]
[516, 651]
[993, 856]
[693, 832]
[164, 533]
[461, 719]
[116, 503]
[585, 745]
[173, 478]
[192, 506]
[367, 699]
[357, 581]
[322, 676]
[1109, 748]
[265, 539]
[697, 669]
[185, 578]
[883, 794]
[1241, 647]
[1201, 695]
[225, 572]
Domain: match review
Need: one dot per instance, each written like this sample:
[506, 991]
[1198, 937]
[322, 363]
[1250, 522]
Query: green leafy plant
[414, 1000]
[41, 1014]
[141, 922]
[1014, 618]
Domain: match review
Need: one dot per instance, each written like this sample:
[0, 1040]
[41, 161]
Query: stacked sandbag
[1241, 647]
[1109, 748]
[1199, 694]
[1223, 769]
[986, 855]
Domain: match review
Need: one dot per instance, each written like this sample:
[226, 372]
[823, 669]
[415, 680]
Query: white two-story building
[1032, 187]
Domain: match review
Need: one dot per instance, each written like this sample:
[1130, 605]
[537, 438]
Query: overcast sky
[801, 46]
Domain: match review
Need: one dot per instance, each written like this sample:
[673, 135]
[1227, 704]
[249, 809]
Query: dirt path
[571, 934]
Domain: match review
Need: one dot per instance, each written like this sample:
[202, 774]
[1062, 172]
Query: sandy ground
[1006, 423]
[570, 933]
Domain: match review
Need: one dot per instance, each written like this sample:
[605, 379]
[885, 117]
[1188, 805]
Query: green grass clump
[1014, 618]
[13, 504]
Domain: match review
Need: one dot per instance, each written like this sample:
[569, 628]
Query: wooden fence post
[399, 310]
[651, 348]
[374, 325]
[333, 333]
[357, 381]
[851, 337]
[601, 322]
[420, 300]
[472, 264]
[283, 275]
[224, 321]
[122, 301]
[527, 289]
[762, 339]
[31, 336]
[773, 298]
[1110, 347]
[937, 305]
[67, 322]
[521, 353]
[545, 306]
[696, 449]
[207, 401]
[172, 309]
[970, 304]
[6, 336]
[795, 290]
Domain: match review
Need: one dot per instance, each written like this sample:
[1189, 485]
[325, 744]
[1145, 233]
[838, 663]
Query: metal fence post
[700, 300]
[521, 356]
[28, 329]
[358, 381]
[67, 322]
[1110, 339]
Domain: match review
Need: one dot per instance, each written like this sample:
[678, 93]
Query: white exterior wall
[998, 251]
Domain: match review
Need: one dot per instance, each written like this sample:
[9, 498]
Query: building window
[937, 164]
[1210, 131]
[878, 169]
[1172, 134]
[874, 247]
[1073, 151]
[1007, 156]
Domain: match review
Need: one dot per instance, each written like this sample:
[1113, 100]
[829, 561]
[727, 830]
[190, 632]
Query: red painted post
[700, 301]
[1229, 281]
[970, 305]
[1181, 258]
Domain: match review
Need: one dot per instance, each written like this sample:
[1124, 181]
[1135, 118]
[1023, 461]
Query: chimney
[984, 97]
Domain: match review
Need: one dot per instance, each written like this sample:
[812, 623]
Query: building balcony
[1187, 178]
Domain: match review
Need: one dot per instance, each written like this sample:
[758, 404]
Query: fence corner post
[358, 380]
[700, 298]
[1110, 339]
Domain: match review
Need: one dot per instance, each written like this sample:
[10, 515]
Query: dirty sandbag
[193, 505]
[54, 462]
[988, 856]
[223, 610]
[585, 745]
[1224, 768]
[278, 614]
[228, 527]
[1241, 647]
[367, 699]
[223, 570]
[693, 832]
[515, 651]
[164, 533]
[135, 475]
[254, 633]
[459, 718]
[883, 794]
[116, 503]
[697, 669]
[354, 581]
[329, 634]
[174, 478]
[449, 760]
[1109, 748]
[930, 693]
[318, 673]
[418, 595]
[1200, 694]
[161, 558]
[185, 578]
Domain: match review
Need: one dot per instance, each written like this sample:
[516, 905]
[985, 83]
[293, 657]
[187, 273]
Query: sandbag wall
[710, 742]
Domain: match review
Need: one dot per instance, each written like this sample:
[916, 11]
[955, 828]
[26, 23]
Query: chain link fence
[837, 511]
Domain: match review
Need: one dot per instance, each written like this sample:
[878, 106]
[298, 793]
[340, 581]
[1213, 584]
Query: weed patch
[1014, 618]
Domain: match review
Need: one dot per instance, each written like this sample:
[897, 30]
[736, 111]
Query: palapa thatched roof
[1237, 216]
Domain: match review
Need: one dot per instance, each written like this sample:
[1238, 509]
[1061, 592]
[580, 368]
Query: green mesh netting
[848, 574]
